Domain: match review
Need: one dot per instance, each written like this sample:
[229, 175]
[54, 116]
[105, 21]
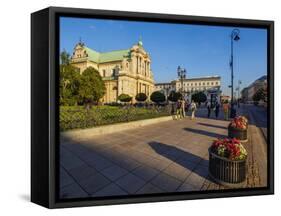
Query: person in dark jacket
[209, 108]
[217, 109]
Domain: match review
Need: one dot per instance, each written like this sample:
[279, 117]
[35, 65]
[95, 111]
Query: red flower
[239, 122]
[231, 148]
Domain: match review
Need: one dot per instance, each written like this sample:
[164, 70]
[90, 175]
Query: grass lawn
[73, 117]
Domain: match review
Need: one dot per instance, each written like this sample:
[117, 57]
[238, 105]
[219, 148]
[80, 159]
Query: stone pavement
[163, 157]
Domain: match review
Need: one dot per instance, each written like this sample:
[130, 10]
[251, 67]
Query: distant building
[224, 98]
[125, 71]
[165, 88]
[248, 92]
[245, 94]
[210, 85]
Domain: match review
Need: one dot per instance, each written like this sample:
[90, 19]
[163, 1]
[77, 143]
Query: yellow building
[123, 71]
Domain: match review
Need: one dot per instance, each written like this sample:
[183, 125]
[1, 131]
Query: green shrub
[140, 97]
[74, 117]
[199, 97]
[124, 98]
[157, 97]
[174, 96]
[259, 95]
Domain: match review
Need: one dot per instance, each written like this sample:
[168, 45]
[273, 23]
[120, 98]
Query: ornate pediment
[79, 51]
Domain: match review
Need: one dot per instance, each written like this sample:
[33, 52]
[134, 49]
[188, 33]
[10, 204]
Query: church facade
[125, 71]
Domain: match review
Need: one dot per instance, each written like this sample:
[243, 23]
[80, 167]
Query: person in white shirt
[193, 109]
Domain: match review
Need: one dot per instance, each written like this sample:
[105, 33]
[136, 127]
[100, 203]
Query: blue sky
[202, 50]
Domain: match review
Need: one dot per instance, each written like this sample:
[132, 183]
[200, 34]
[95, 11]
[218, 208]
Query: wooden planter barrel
[225, 171]
[237, 133]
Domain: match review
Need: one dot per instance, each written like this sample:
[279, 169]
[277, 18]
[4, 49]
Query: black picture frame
[44, 104]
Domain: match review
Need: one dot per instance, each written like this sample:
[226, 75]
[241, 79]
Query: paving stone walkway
[163, 157]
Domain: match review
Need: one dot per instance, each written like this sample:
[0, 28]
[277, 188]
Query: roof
[262, 78]
[92, 54]
[201, 78]
[258, 81]
[166, 83]
[116, 55]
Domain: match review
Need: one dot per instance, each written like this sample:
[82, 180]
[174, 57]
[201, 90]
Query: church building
[125, 71]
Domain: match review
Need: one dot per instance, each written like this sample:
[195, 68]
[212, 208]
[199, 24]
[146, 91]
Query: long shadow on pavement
[187, 159]
[212, 125]
[206, 133]
[107, 172]
[203, 113]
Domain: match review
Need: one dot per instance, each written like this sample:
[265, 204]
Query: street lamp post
[238, 92]
[181, 76]
[234, 37]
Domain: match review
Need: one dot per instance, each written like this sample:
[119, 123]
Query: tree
[92, 87]
[140, 97]
[174, 96]
[259, 95]
[157, 97]
[69, 83]
[64, 58]
[124, 98]
[199, 97]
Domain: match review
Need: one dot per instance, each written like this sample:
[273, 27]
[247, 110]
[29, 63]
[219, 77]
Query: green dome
[140, 42]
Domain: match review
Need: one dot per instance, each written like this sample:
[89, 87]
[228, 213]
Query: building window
[195, 84]
[103, 73]
[114, 72]
[212, 83]
[207, 83]
[217, 83]
[203, 83]
[191, 84]
[199, 84]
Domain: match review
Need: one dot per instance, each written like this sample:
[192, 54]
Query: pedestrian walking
[174, 111]
[225, 107]
[178, 112]
[193, 109]
[187, 105]
[217, 109]
[182, 108]
[209, 108]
